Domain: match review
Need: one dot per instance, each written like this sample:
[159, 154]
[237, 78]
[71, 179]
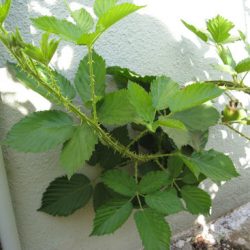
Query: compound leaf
[120, 181]
[197, 201]
[82, 78]
[63, 196]
[142, 102]
[101, 7]
[40, 131]
[153, 181]
[243, 66]
[202, 35]
[78, 149]
[60, 27]
[166, 202]
[162, 88]
[153, 229]
[111, 216]
[219, 28]
[115, 109]
[193, 95]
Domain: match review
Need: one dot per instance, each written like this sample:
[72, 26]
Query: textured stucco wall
[152, 41]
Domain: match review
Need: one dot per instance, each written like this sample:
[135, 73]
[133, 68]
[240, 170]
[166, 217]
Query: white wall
[152, 41]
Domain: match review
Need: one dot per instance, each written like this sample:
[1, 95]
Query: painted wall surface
[152, 41]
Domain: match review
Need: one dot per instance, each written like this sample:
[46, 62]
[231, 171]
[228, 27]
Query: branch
[237, 131]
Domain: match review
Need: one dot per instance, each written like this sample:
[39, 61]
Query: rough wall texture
[152, 41]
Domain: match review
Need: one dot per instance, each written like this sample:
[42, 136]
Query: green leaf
[142, 102]
[111, 216]
[165, 121]
[63, 196]
[115, 14]
[101, 196]
[82, 79]
[29, 82]
[243, 66]
[123, 75]
[199, 139]
[213, 164]
[197, 201]
[64, 29]
[64, 85]
[106, 156]
[121, 182]
[101, 7]
[78, 149]
[202, 35]
[83, 19]
[40, 131]
[4, 10]
[162, 88]
[153, 229]
[198, 118]
[45, 52]
[115, 109]
[166, 202]
[153, 181]
[175, 165]
[48, 47]
[192, 167]
[226, 56]
[193, 95]
[219, 28]
[180, 137]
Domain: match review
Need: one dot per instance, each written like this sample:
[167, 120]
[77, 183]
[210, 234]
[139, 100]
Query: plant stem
[137, 138]
[230, 85]
[92, 81]
[236, 131]
[137, 181]
[177, 187]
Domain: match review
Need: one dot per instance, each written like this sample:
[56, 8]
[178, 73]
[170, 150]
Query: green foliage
[4, 10]
[198, 118]
[61, 27]
[111, 216]
[40, 131]
[83, 19]
[78, 149]
[101, 7]
[193, 95]
[219, 28]
[197, 201]
[165, 202]
[226, 56]
[243, 66]
[153, 229]
[147, 137]
[162, 88]
[82, 79]
[123, 75]
[121, 182]
[115, 109]
[141, 102]
[46, 51]
[153, 181]
[213, 164]
[63, 196]
[202, 35]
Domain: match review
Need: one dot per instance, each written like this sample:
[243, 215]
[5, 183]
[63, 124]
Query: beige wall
[152, 41]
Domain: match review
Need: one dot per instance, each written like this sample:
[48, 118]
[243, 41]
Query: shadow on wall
[141, 43]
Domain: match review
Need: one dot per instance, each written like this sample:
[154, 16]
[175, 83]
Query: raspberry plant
[148, 134]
